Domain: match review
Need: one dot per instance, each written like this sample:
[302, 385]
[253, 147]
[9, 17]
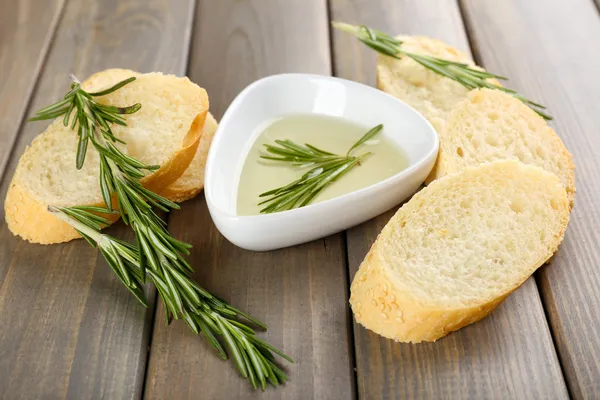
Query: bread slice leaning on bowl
[492, 125]
[458, 248]
[165, 131]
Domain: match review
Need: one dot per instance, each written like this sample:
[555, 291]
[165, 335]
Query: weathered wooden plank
[69, 328]
[549, 49]
[299, 292]
[25, 35]
[509, 354]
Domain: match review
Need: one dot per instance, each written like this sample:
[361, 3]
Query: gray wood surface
[300, 293]
[509, 354]
[25, 35]
[68, 327]
[550, 51]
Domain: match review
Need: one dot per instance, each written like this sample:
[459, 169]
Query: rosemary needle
[469, 77]
[202, 311]
[157, 256]
[326, 169]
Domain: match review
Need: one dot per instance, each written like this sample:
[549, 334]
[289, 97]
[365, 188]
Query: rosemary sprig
[469, 77]
[202, 311]
[326, 169]
[157, 257]
[79, 108]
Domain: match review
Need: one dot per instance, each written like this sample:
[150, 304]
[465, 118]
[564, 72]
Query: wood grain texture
[509, 354]
[69, 329]
[301, 292]
[237, 42]
[549, 50]
[25, 35]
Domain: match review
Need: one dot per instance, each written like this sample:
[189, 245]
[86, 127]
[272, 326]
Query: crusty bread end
[192, 181]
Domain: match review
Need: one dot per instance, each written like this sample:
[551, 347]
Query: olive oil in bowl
[332, 134]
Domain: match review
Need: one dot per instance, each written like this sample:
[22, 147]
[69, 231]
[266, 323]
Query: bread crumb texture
[47, 168]
[491, 125]
[165, 131]
[453, 252]
[428, 92]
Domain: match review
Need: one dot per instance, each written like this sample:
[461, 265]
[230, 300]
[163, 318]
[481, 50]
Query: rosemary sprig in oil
[326, 169]
[157, 257]
[469, 77]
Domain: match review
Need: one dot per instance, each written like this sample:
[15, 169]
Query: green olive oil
[333, 134]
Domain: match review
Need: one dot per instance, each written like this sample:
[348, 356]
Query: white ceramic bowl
[289, 94]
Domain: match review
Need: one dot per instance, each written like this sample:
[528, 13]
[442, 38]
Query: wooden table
[68, 329]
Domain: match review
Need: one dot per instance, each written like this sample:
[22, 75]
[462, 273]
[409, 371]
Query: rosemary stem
[92, 233]
[324, 171]
[345, 27]
[74, 78]
[469, 76]
[114, 169]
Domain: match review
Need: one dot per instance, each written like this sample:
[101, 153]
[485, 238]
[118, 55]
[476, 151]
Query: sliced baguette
[491, 125]
[428, 92]
[166, 131]
[432, 94]
[457, 249]
[192, 180]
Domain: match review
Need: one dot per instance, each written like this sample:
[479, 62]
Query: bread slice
[192, 180]
[428, 92]
[491, 125]
[166, 131]
[431, 94]
[458, 248]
